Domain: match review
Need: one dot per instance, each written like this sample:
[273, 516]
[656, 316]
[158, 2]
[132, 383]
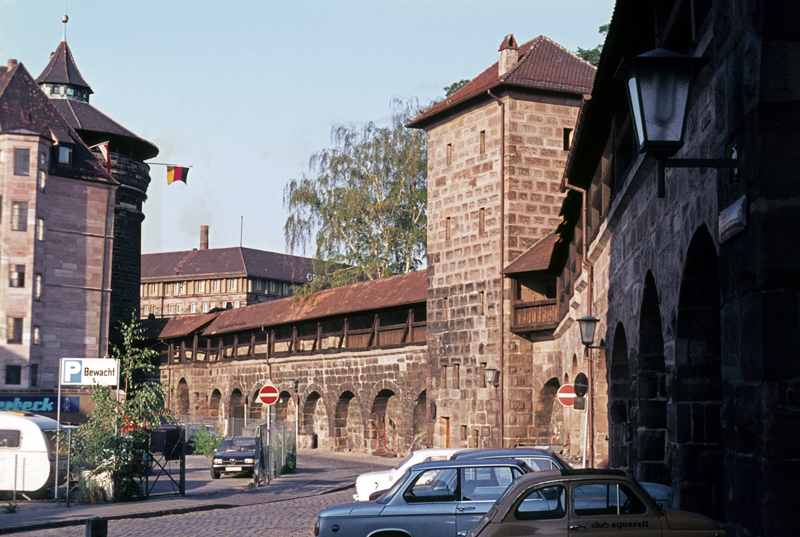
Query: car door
[540, 510]
[427, 507]
[604, 508]
[479, 488]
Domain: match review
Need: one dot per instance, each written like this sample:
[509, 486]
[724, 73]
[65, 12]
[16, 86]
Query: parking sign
[89, 371]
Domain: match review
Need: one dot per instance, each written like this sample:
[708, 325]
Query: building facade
[56, 239]
[197, 281]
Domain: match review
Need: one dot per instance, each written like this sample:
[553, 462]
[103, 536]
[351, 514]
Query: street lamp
[492, 376]
[587, 326]
[658, 84]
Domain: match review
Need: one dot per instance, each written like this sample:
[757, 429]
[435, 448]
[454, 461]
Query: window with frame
[236, 304]
[16, 276]
[40, 229]
[205, 307]
[193, 308]
[64, 154]
[13, 375]
[542, 504]
[153, 288]
[37, 286]
[42, 181]
[272, 289]
[22, 161]
[147, 310]
[10, 438]
[172, 308]
[178, 308]
[37, 335]
[598, 499]
[201, 286]
[19, 216]
[257, 284]
[216, 286]
[182, 286]
[232, 285]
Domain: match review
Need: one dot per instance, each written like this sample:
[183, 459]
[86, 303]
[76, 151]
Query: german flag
[176, 173]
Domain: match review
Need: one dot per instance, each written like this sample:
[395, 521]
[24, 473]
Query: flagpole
[166, 164]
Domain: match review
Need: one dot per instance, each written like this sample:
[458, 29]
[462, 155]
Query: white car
[371, 482]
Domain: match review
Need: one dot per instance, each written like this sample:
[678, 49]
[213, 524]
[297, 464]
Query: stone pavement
[322, 478]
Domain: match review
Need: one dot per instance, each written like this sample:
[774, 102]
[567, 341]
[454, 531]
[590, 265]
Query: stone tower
[126, 153]
[496, 152]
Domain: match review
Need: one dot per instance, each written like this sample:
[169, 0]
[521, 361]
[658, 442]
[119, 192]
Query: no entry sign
[566, 395]
[268, 394]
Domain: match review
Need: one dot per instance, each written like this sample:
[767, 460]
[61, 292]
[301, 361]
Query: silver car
[432, 499]
[583, 502]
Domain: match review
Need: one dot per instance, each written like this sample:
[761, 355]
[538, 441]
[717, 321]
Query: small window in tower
[40, 229]
[37, 337]
[17, 276]
[55, 90]
[482, 219]
[447, 227]
[22, 159]
[481, 302]
[42, 180]
[19, 216]
[483, 142]
[37, 287]
[64, 154]
[449, 154]
[567, 138]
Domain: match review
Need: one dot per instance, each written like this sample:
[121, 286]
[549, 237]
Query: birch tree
[362, 204]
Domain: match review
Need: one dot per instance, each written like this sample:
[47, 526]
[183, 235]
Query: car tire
[214, 474]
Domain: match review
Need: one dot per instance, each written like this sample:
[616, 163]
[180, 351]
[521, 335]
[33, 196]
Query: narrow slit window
[447, 228]
[482, 219]
[449, 154]
[567, 138]
[483, 142]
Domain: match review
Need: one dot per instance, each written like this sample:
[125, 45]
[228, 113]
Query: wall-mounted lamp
[587, 326]
[659, 83]
[492, 376]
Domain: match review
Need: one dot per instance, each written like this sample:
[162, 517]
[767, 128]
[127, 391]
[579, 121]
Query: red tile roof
[225, 262]
[24, 108]
[542, 65]
[536, 258]
[394, 291]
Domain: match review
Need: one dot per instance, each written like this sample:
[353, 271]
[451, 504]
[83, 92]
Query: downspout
[590, 300]
[501, 365]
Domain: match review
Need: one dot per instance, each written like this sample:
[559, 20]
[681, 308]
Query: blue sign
[38, 403]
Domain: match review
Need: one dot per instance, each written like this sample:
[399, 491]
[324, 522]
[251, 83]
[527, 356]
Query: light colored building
[197, 281]
[56, 239]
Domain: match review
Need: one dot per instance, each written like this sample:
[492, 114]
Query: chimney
[204, 237]
[11, 63]
[509, 54]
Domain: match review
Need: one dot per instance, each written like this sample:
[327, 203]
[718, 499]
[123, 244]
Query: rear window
[9, 438]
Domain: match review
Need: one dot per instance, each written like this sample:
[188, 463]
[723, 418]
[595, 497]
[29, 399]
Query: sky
[245, 91]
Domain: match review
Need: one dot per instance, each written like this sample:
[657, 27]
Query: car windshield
[238, 444]
[391, 492]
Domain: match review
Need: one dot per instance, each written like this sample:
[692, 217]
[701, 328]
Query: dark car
[236, 455]
[540, 460]
[584, 502]
[442, 499]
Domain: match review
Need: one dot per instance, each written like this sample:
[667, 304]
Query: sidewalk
[318, 472]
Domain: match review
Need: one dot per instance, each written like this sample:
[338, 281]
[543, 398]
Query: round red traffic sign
[566, 395]
[268, 394]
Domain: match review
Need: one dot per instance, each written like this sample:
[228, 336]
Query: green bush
[205, 442]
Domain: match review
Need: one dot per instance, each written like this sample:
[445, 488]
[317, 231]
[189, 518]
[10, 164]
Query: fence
[277, 451]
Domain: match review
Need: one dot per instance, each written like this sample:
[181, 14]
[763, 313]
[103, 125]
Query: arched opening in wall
[619, 395]
[182, 400]
[651, 391]
[600, 407]
[696, 395]
[420, 426]
[236, 407]
[386, 420]
[282, 414]
[314, 422]
[546, 423]
[348, 428]
[214, 410]
[256, 407]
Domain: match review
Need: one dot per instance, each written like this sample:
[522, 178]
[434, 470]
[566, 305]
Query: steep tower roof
[62, 71]
[541, 64]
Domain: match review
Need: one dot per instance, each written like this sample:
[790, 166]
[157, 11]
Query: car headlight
[249, 461]
[217, 461]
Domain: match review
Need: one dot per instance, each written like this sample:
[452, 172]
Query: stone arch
[619, 395]
[315, 421]
[182, 399]
[236, 408]
[214, 410]
[696, 444]
[257, 408]
[651, 396]
[386, 423]
[283, 408]
[546, 422]
[420, 424]
[348, 428]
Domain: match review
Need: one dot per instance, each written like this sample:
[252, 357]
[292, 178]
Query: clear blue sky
[245, 91]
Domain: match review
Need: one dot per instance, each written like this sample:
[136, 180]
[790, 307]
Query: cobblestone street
[290, 518]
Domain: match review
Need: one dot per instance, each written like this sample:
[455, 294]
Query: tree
[454, 87]
[362, 203]
[593, 55]
[116, 435]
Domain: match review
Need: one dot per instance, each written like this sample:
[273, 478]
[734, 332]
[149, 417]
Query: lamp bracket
[663, 163]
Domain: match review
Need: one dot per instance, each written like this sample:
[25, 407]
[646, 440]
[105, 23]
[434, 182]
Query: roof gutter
[501, 365]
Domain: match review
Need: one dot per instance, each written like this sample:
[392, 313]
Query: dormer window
[64, 154]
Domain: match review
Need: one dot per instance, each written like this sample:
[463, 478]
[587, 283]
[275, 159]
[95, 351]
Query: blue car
[432, 499]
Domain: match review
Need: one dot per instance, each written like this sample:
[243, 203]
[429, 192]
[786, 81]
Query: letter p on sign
[72, 372]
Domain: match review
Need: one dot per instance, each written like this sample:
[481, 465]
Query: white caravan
[27, 452]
